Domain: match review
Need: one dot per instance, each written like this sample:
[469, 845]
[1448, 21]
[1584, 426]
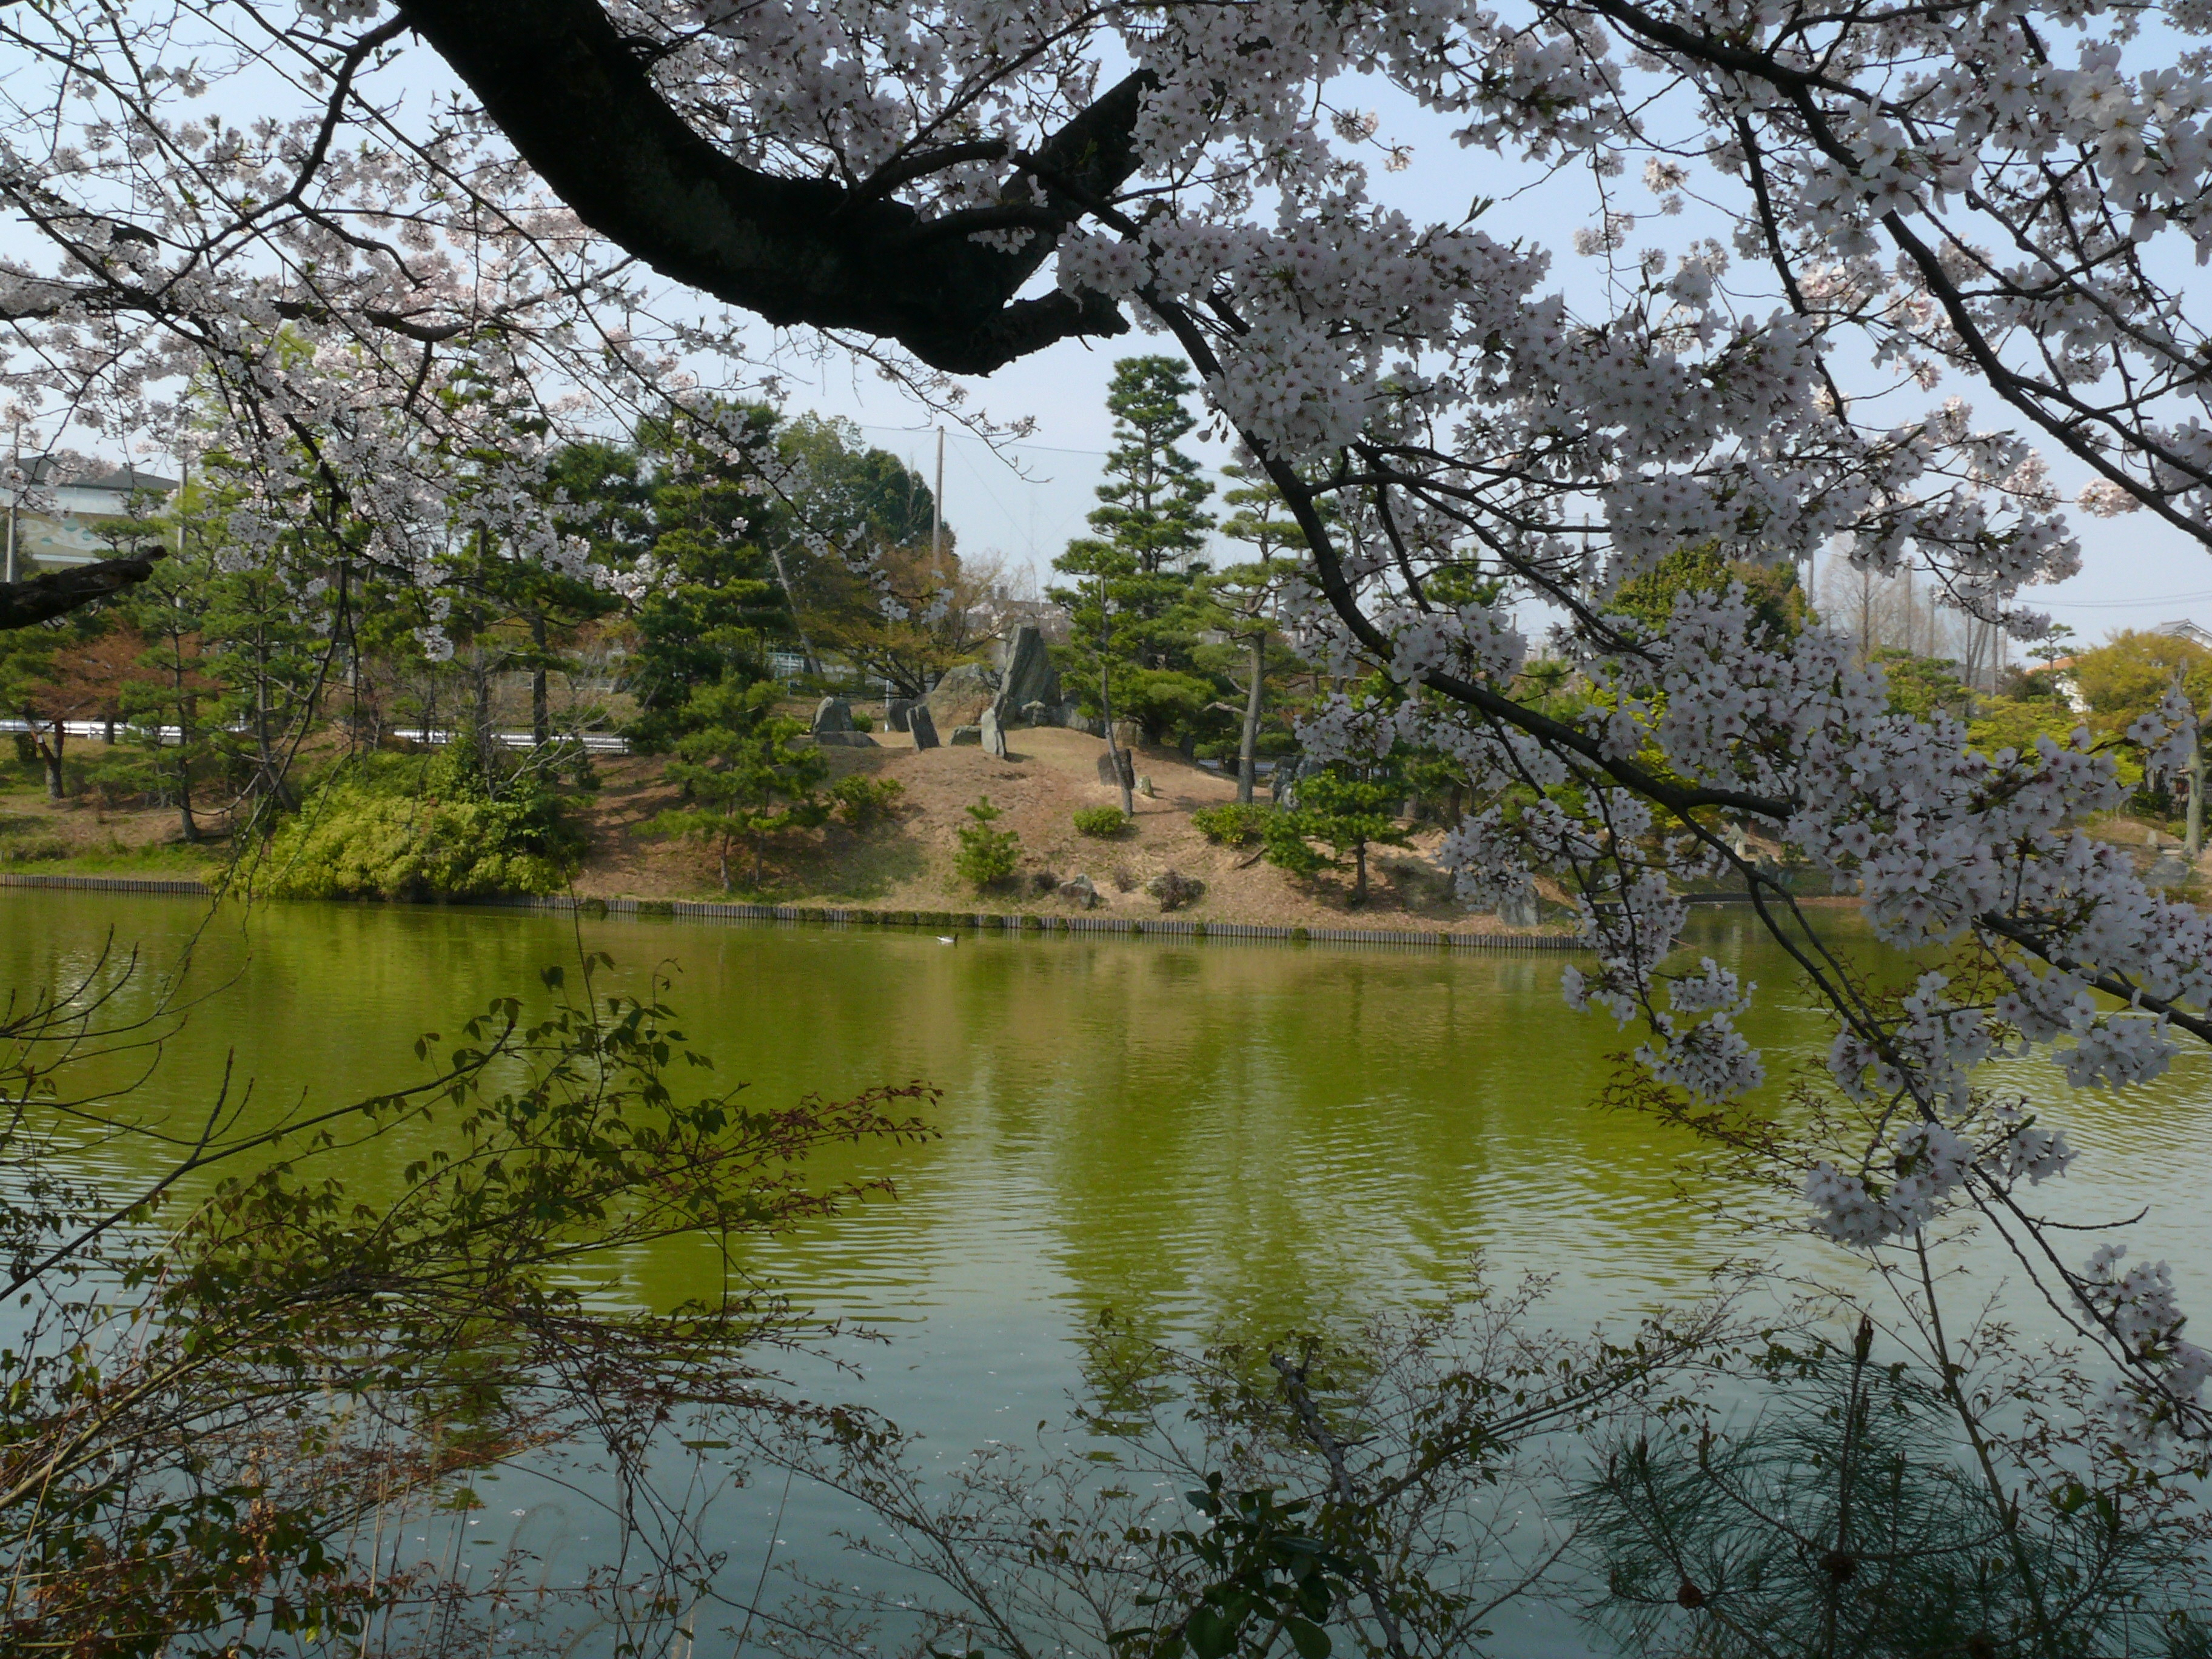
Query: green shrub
[863, 802]
[1101, 821]
[863, 722]
[987, 856]
[371, 835]
[33, 849]
[1233, 823]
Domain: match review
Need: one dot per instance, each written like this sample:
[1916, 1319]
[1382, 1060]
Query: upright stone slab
[1106, 775]
[1028, 676]
[896, 711]
[994, 735]
[832, 715]
[923, 728]
[1519, 910]
[963, 694]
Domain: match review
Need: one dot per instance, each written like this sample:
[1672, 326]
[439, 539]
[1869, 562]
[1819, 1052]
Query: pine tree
[745, 774]
[1136, 609]
[1245, 597]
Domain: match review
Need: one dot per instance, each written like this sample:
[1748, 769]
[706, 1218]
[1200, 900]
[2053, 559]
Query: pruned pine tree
[746, 775]
[1136, 606]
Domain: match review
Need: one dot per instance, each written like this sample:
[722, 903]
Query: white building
[70, 519]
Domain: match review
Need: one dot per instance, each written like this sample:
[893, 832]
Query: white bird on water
[948, 939]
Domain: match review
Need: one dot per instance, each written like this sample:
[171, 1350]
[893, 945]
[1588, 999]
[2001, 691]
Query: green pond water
[1184, 1133]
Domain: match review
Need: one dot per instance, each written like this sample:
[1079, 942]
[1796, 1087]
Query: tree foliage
[220, 1413]
[748, 775]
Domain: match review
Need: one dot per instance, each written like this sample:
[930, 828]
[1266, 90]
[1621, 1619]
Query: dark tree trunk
[485, 738]
[185, 821]
[1247, 750]
[51, 754]
[1112, 749]
[60, 591]
[541, 712]
[794, 250]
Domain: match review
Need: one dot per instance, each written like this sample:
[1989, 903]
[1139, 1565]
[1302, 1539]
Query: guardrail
[597, 743]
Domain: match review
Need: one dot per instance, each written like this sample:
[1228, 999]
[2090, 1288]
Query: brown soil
[905, 864]
[1047, 776]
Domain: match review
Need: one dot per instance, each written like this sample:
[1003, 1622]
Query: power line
[2121, 605]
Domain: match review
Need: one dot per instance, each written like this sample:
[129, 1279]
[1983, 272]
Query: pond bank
[847, 916]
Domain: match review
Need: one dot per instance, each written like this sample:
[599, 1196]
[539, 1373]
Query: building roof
[2188, 630]
[118, 480]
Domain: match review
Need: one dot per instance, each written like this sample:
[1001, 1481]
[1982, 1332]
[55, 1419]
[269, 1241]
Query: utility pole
[937, 505]
[15, 491]
[2193, 833]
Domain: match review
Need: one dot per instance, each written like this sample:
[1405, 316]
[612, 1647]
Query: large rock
[961, 695]
[1078, 892]
[994, 735]
[966, 737]
[923, 728]
[1106, 772]
[2169, 871]
[1519, 910]
[1029, 676]
[895, 713]
[844, 740]
[832, 715]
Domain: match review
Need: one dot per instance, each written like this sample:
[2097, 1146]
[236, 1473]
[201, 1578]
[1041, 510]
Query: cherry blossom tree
[1861, 218]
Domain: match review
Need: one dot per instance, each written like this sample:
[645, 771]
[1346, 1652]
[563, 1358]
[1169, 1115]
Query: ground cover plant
[457, 824]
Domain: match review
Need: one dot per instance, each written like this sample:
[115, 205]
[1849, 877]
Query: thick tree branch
[22, 604]
[575, 100]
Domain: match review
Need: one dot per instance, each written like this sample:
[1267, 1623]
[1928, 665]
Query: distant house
[86, 508]
[2061, 670]
[2187, 630]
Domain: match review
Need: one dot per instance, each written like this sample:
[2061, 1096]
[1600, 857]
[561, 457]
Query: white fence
[597, 743]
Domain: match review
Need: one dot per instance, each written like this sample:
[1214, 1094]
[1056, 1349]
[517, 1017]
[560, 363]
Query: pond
[1181, 1131]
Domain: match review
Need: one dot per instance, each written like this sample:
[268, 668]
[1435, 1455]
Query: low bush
[987, 856]
[1174, 889]
[1232, 823]
[862, 802]
[1101, 821]
[441, 834]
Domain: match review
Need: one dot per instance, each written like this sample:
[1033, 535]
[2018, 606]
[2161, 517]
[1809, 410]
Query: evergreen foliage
[1347, 811]
[1233, 823]
[748, 774]
[1102, 821]
[1777, 601]
[987, 856]
[398, 828]
[1136, 605]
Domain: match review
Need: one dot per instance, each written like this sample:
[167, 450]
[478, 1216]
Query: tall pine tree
[1136, 604]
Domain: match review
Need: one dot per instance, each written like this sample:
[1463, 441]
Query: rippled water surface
[1182, 1132]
